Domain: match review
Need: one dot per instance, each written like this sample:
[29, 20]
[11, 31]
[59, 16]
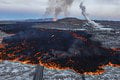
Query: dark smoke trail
[56, 7]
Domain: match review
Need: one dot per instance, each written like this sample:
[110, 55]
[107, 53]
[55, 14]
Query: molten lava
[65, 50]
[55, 19]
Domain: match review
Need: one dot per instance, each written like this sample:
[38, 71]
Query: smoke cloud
[56, 7]
[84, 13]
[91, 23]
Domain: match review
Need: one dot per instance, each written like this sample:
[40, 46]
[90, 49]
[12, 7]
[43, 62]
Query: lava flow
[55, 19]
[57, 49]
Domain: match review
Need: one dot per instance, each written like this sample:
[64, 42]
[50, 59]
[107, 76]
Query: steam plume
[56, 7]
[83, 8]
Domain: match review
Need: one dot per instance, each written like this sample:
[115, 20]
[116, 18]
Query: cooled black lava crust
[57, 49]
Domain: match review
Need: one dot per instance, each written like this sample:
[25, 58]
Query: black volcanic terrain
[57, 45]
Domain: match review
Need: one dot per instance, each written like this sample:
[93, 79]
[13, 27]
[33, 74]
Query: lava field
[57, 49]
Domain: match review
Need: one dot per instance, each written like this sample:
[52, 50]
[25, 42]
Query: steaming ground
[17, 71]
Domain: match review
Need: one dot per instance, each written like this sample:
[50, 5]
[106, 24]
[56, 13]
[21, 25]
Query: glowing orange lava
[116, 49]
[98, 72]
[114, 65]
[78, 36]
[1, 46]
[54, 19]
[88, 60]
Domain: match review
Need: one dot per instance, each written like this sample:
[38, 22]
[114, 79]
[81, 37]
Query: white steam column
[92, 23]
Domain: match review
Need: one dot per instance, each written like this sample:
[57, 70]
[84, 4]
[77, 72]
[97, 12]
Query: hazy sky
[24, 9]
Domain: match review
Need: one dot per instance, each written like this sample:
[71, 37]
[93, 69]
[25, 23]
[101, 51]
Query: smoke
[84, 13]
[56, 7]
[92, 23]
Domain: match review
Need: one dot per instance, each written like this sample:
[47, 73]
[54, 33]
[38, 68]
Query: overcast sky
[25, 9]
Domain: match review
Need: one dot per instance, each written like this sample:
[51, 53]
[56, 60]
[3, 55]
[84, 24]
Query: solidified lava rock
[57, 49]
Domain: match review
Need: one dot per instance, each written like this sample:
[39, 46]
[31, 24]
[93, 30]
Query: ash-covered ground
[109, 39]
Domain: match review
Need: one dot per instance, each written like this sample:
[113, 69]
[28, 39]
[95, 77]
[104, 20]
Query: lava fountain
[55, 19]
